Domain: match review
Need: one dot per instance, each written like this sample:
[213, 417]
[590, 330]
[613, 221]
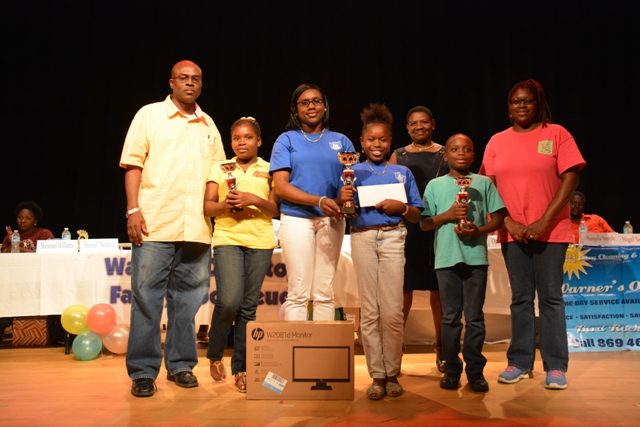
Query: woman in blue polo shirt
[306, 173]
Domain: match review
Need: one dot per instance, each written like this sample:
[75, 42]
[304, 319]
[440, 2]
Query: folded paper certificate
[370, 195]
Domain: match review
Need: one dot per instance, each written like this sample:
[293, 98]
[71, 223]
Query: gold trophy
[348, 158]
[463, 197]
[230, 181]
[82, 234]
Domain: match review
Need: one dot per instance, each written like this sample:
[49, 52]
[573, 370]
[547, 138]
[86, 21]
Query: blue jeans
[239, 275]
[463, 288]
[178, 271]
[537, 266]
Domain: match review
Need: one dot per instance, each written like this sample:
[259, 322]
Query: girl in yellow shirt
[243, 243]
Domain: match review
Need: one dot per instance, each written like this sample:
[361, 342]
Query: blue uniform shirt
[314, 166]
[394, 174]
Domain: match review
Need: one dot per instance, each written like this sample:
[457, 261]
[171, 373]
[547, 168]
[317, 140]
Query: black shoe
[201, 335]
[184, 379]
[450, 381]
[143, 387]
[478, 383]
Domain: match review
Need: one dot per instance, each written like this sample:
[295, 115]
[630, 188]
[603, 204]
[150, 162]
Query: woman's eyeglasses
[315, 101]
[522, 101]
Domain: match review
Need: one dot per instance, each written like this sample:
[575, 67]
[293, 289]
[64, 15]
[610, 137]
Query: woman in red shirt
[534, 165]
[28, 214]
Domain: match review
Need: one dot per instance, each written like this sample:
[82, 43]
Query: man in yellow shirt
[167, 154]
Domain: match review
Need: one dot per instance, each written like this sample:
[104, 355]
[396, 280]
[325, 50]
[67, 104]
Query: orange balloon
[101, 318]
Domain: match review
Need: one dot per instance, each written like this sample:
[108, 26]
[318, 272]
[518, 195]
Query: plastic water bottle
[583, 230]
[66, 234]
[15, 242]
[627, 228]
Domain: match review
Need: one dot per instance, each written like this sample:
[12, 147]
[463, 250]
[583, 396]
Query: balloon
[116, 339]
[101, 318]
[74, 319]
[283, 307]
[87, 345]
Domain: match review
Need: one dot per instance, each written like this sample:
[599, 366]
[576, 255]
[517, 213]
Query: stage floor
[43, 387]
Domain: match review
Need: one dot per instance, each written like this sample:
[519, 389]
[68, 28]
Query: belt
[381, 227]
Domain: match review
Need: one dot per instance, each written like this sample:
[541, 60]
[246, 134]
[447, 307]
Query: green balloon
[87, 345]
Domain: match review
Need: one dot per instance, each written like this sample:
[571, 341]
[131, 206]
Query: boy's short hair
[458, 135]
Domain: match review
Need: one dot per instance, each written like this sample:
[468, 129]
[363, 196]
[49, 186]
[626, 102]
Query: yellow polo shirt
[250, 228]
[175, 153]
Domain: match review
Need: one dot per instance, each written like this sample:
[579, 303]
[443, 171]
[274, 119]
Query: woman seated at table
[28, 214]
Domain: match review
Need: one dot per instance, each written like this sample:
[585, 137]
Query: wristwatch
[131, 211]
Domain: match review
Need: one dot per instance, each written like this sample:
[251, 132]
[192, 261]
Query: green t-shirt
[450, 248]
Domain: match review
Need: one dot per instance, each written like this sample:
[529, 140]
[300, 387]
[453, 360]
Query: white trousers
[311, 250]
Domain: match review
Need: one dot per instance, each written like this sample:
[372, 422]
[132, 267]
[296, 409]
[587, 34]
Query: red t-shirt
[28, 240]
[527, 167]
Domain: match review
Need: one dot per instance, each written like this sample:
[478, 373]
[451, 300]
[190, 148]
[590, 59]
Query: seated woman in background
[28, 214]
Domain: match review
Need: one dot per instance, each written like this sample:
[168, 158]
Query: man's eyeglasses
[316, 101]
[196, 80]
[522, 101]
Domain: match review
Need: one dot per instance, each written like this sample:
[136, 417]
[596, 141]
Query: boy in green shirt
[461, 258]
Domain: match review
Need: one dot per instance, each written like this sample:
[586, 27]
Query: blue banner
[602, 298]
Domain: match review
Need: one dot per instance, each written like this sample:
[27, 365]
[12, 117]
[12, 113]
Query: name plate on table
[371, 195]
[98, 245]
[57, 246]
[610, 239]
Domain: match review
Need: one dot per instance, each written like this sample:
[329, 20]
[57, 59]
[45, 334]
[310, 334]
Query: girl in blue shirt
[377, 249]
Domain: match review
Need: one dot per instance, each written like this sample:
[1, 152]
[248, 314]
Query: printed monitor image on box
[335, 366]
[300, 360]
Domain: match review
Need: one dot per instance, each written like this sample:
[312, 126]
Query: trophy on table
[348, 158]
[82, 234]
[230, 181]
[463, 183]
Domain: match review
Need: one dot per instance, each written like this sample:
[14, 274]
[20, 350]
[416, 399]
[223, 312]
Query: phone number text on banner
[602, 298]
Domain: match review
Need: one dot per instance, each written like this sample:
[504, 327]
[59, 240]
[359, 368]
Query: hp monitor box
[300, 360]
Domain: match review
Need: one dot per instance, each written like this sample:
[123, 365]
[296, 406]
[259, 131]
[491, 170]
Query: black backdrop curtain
[76, 72]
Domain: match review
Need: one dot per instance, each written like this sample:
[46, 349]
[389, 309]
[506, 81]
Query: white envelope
[371, 195]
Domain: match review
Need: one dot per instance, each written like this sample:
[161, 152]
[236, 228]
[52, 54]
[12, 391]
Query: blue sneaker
[556, 380]
[512, 375]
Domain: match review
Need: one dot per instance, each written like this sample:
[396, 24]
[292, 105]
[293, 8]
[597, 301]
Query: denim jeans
[178, 271]
[537, 266]
[378, 261]
[239, 275]
[462, 289]
[311, 249]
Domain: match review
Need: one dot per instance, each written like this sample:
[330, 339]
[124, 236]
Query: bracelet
[406, 211]
[320, 201]
[131, 212]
